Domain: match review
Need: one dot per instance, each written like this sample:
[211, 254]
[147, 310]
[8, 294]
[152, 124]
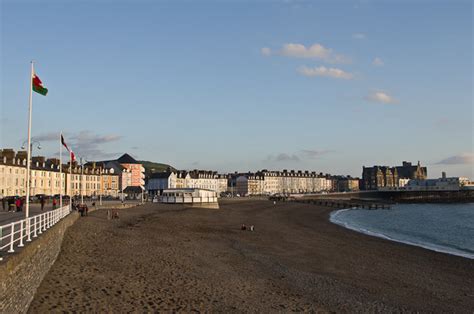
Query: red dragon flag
[64, 143]
[38, 85]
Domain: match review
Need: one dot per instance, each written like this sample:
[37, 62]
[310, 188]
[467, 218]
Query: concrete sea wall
[21, 273]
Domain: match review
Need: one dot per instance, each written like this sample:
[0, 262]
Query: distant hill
[152, 167]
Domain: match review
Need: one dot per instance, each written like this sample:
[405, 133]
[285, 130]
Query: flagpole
[70, 180]
[61, 170]
[27, 205]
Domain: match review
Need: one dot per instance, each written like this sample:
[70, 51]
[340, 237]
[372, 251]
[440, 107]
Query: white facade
[188, 196]
[441, 184]
[206, 180]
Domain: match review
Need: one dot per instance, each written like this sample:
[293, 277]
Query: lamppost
[23, 146]
[123, 177]
[101, 187]
[82, 181]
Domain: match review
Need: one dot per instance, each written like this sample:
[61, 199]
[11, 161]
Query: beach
[159, 257]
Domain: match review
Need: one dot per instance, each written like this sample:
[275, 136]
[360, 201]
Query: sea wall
[21, 273]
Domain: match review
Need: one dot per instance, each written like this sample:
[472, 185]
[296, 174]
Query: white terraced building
[196, 179]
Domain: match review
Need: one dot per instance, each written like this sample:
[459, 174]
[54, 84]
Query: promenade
[7, 217]
[170, 258]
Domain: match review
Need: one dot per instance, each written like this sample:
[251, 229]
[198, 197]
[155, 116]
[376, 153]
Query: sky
[326, 86]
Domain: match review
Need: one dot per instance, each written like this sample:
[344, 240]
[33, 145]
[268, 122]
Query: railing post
[35, 228]
[21, 234]
[11, 250]
[28, 229]
[44, 220]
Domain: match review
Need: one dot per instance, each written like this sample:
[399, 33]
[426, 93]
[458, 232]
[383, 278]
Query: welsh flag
[64, 143]
[38, 85]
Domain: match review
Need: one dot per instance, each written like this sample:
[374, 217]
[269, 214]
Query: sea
[447, 228]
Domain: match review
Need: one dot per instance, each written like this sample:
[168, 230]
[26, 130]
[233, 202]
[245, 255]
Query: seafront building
[195, 179]
[442, 184]
[262, 182]
[267, 182]
[132, 172]
[383, 177]
[93, 179]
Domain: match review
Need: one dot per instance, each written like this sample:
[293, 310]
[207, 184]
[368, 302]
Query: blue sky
[241, 85]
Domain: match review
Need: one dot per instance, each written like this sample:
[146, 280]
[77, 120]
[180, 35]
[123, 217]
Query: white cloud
[266, 51]
[381, 97]
[378, 62]
[282, 157]
[462, 159]
[314, 154]
[326, 72]
[316, 51]
[358, 36]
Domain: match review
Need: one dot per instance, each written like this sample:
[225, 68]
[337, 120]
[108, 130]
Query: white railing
[16, 233]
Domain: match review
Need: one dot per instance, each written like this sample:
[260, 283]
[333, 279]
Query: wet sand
[169, 258]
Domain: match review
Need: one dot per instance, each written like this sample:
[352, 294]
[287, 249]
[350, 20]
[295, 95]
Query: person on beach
[243, 227]
[42, 203]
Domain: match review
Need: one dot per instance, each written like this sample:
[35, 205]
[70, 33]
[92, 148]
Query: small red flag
[73, 157]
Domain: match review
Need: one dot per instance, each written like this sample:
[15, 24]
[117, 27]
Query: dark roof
[127, 159]
[133, 189]
[160, 175]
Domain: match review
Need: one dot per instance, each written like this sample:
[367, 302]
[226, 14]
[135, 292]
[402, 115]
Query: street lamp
[23, 146]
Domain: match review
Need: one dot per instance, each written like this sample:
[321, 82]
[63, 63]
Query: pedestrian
[4, 203]
[54, 203]
[42, 203]
[11, 204]
[18, 204]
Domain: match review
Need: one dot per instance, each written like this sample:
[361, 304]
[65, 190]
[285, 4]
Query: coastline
[171, 258]
[428, 246]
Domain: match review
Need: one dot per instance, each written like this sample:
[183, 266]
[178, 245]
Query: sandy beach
[161, 257]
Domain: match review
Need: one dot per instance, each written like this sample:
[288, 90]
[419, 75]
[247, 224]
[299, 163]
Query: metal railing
[16, 233]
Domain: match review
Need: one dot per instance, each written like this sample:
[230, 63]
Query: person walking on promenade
[42, 203]
[11, 204]
[54, 203]
[18, 204]
[4, 204]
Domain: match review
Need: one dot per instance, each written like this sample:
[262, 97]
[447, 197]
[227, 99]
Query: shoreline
[171, 258]
[427, 246]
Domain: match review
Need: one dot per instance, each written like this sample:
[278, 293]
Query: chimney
[443, 175]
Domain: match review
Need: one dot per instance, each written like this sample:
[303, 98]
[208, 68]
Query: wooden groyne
[345, 203]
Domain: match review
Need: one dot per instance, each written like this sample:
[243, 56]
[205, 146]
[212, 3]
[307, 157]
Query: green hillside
[152, 167]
